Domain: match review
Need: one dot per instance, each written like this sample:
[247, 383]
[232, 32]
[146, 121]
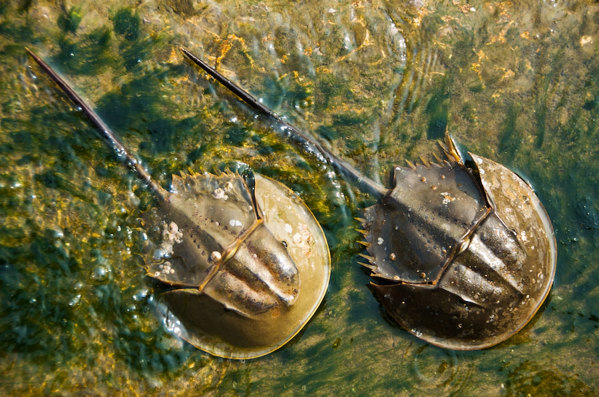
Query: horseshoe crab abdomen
[230, 254]
[418, 226]
[260, 276]
[478, 297]
[497, 280]
[256, 303]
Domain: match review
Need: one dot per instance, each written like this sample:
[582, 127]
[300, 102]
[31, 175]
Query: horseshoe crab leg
[310, 144]
[112, 140]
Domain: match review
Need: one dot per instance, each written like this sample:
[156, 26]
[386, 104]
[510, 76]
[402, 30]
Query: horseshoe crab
[463, 251]
[244, 263]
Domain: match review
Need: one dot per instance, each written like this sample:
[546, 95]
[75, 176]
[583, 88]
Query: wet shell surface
[242, 287]
[464, 256]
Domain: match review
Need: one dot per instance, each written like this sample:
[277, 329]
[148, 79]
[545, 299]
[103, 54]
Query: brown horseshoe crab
[464, 252]
[244, 262]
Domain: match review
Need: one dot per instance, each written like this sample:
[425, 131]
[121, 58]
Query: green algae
[126, 24]
[70, 19]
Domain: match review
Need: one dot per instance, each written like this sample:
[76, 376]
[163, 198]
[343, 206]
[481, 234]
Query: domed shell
[210, 326]
[496, 283]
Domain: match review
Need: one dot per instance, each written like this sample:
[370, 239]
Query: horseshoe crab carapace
[463, 253]
[244, 263]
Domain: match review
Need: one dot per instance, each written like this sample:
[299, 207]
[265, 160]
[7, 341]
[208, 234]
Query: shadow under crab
[463, 253]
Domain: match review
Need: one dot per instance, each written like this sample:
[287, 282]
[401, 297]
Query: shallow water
[380, 81]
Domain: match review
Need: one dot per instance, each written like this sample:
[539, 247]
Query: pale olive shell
[206, 324]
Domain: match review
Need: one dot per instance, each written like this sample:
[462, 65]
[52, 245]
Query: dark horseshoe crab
[463, 251]
[244, 263]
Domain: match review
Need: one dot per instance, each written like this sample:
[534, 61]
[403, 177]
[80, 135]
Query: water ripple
[436, 369]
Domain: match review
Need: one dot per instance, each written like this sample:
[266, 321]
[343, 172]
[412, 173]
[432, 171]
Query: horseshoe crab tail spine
[106, 132]
[304, 140]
